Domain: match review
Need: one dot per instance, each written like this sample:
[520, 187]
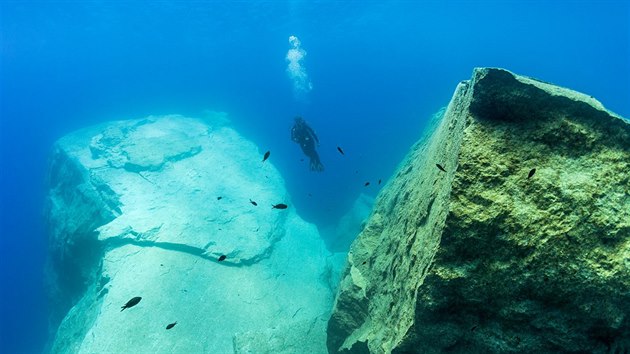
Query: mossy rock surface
[484, 259]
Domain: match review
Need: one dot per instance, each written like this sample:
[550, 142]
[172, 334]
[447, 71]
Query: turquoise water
[366, 76]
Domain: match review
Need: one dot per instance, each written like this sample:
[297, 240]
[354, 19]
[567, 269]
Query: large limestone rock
[146, 208]
[483, 259]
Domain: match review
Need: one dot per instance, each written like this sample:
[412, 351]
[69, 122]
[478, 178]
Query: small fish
[222, 257]
[531, 173]
[440, 167]
[366, 184]
[379, 181]
[131, 303]
[171, 325]
[473, 328]
[279, 206]
[340, 150]
[266, 156]
[253, 202]
[219, 198]
[301, 160]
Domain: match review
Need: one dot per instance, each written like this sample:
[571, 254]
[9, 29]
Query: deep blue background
[378, 71]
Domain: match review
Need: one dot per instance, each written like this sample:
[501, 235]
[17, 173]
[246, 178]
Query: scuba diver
[302, 134]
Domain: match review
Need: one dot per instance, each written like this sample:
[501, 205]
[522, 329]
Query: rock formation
[521, 244]
[149, 208]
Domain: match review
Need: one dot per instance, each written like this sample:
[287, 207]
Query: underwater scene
[315, 176]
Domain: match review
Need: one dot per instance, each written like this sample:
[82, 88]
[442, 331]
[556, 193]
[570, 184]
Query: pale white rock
[133, 211]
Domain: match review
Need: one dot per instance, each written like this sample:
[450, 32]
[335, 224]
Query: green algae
[483, 259]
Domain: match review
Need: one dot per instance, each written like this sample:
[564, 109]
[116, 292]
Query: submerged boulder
[159, 208]
[518, 242]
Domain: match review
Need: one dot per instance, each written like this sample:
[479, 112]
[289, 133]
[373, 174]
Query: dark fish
[222, 257]
[340, 150]
[253, 202]
[366, 184]
[531, 173]
[473, 328]
[279, 206]
[440, 167]
[379, 181]
[301, 160]
[131, 303]
[266, 156]
[219, 198]
[171, 325]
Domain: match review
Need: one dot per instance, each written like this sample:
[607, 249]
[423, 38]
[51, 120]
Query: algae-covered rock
[484, 258]
[147, 208]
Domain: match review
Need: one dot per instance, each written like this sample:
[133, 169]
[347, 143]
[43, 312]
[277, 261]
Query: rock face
[484, 259]
[146, 208]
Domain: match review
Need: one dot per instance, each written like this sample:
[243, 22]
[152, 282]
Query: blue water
[378, 70]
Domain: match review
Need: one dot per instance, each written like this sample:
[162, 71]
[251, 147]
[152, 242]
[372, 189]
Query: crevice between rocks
[137, 168]
[116, 242]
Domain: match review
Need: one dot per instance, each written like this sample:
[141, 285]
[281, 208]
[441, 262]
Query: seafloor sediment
[518, 242]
